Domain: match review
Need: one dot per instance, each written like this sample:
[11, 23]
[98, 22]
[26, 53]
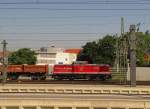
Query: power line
[77, 3]
[60, 17]
[83, 9]
[50, 33]
[59, 25]
[24, 25]
[49, 40]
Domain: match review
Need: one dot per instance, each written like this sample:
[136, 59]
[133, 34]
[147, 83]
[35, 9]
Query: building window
[49, 55]
[52, 55]
[51, 61]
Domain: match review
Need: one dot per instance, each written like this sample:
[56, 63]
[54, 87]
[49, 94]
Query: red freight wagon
[62, 69]
[85, 69]
[36, 72]
[36, 68]
[15, 69]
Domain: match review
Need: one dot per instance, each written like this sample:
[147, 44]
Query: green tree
[143, 47]
[103, 51]
[22, 56]
[100, 52]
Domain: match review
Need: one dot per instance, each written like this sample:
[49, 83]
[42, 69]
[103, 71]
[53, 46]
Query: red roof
[76, 51]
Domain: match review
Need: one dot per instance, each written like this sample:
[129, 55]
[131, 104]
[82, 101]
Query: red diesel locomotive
[81, 71]
[60, 71]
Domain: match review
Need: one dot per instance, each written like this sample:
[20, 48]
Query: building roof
[76, 51]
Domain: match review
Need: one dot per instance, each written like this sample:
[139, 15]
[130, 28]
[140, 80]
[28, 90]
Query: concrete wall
[30, 102]
[142, 74]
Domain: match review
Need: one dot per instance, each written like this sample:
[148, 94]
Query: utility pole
[132, 42]
[4, 61]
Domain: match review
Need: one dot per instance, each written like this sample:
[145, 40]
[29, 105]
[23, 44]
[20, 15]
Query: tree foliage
[103, 51]
[100, 52]
[22, 56]
[143, 47]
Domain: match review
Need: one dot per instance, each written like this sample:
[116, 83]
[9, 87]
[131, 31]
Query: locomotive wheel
[57, 78]
[42, 78]
[71, 78]
[103, 78]
[34, 77]
[90, 78]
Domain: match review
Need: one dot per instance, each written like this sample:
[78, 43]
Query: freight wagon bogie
[38, 76]
[33, 76]
[12, 76]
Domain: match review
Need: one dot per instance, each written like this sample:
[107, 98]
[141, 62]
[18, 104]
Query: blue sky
[65, 24]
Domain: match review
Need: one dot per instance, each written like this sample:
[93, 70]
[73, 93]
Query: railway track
[84, 82]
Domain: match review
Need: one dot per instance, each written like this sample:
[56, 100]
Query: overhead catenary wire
[77, 16]
[53, 33]
[81, 9]
[50, 40]
[44, 25]
[78, 2]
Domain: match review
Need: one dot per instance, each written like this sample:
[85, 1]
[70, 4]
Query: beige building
[54, 55]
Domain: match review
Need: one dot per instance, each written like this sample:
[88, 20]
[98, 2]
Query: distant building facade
[47, 55]
[53, 55]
